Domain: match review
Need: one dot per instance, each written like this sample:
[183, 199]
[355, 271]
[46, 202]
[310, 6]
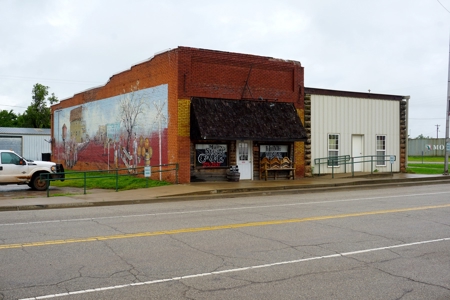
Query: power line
[12, 105]
[443, 6]
[51, 79]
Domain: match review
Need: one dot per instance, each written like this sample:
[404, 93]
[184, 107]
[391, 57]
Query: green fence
[115, 173]
[336, 161]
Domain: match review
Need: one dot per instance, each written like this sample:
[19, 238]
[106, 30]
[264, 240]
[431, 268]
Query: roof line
[327, 92]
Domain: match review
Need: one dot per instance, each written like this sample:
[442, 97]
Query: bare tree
[131, 106]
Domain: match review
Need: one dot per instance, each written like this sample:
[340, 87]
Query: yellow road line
[218, 227]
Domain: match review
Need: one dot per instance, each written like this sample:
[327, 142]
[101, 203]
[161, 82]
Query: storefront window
[211, 155]
[273, 151]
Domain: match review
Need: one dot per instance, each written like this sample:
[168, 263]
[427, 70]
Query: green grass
[104, 180]
[63, 194]
[419, 168]
[430, 165]
[425, 159]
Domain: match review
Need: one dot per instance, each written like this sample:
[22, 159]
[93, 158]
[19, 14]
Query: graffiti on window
[211, 155]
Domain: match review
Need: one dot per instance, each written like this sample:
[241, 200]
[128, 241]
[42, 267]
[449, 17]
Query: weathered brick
[192, 72]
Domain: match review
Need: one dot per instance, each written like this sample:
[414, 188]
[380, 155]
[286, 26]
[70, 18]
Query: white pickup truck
[15, 169]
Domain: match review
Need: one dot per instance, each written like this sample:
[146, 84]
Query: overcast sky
[398, 47]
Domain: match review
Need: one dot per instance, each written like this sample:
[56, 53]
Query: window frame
[379, 162]
[336, 149]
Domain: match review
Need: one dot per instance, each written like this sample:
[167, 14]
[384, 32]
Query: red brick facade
[191, 72]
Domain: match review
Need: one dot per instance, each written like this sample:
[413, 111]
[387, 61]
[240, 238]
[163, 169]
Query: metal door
[244, 159]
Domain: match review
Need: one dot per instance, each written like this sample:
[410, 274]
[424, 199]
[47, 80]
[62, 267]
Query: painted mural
[124, 131]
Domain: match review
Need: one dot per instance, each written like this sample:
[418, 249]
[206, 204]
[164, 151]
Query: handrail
[333, 161]
[378, 158]
[336, 160]
[117, 173]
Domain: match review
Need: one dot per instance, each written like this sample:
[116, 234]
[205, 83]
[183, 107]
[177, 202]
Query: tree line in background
[422, 137]
[37, 114]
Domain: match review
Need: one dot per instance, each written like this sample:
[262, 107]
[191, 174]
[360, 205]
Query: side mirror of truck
[22, 162]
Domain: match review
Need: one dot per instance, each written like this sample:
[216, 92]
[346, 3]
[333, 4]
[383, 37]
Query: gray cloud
[387, 46]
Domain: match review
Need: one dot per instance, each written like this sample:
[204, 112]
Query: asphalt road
[357, 244]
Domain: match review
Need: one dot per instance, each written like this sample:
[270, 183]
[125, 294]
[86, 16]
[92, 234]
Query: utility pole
[437, 130]
[447, 119]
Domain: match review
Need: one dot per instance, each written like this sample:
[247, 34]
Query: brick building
[205, 110]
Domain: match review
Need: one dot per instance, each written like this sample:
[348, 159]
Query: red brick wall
[193, 72]
[161, 69]
[215, 74]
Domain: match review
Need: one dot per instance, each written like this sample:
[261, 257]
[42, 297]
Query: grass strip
[105, 180]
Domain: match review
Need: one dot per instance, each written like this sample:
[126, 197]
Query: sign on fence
[147, 171]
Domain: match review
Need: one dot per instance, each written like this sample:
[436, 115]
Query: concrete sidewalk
[210, 190]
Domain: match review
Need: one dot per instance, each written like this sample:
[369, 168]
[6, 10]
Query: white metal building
[30, 143]
[367, 129]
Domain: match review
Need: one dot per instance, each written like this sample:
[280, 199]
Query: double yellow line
[212, 228]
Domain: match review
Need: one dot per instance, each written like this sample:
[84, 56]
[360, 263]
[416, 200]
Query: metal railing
[337, 161]
[115, 173]
[333, 161]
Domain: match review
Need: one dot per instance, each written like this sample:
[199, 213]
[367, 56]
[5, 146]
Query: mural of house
[77, 127]
[101, 133]
[208, 110]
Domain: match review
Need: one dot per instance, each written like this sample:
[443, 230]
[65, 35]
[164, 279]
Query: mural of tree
[114, 130]
[160, 120]
[131, 106]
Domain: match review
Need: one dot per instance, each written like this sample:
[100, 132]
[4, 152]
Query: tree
[421, 137]
[131, 106]
[38, 114]
[8, 119]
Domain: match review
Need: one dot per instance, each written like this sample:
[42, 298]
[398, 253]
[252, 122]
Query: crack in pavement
[223, 264]
[405, 292]
[373, 266]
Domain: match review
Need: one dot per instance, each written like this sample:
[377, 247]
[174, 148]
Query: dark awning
[245, 120]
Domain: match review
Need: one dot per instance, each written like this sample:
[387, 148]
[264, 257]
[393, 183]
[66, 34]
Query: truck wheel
[38, 184]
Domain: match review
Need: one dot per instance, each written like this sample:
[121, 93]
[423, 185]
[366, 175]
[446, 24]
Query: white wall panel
[354, 116]
[35, 145]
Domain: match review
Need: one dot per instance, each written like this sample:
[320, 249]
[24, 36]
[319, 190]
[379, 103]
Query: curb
[243, 192]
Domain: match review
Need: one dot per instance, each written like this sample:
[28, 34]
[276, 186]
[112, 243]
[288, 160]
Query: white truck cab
[15, 169]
